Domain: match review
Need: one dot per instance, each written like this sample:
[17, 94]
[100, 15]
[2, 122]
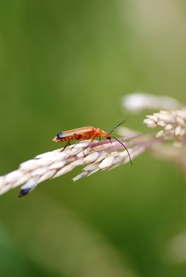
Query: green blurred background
[67, 64]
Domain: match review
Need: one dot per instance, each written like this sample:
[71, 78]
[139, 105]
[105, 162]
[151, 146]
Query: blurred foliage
[66, 64]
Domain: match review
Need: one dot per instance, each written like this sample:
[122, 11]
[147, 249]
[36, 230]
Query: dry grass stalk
[98, 156]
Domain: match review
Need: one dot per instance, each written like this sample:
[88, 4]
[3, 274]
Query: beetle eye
[59, 135]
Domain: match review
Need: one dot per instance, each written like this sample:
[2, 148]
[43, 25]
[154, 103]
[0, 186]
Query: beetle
[88, 132]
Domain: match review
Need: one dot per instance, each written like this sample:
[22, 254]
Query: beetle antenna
[118, 125]
[125, 148]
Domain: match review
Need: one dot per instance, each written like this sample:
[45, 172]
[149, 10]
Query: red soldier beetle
[88, 132]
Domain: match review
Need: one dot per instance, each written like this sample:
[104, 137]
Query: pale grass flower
[171, 119]
[173, 124]
[139, 101]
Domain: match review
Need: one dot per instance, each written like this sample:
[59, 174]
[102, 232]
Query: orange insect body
[88, 132]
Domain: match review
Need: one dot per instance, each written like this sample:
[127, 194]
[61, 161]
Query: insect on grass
[88, 132]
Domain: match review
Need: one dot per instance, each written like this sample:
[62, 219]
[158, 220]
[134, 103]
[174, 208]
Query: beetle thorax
[101, 133]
